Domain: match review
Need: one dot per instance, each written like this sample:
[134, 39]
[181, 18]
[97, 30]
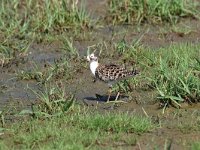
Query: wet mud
[177, 128]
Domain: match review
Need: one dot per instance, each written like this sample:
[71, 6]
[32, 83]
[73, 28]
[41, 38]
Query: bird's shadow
[104, 98]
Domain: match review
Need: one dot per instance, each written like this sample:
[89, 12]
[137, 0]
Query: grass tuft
[137, 11]
[53, 101]
[176, 74]
[195, 146]
[116, 123]
[24, 22]
[76, 130]
[174, 71]
[35, 18]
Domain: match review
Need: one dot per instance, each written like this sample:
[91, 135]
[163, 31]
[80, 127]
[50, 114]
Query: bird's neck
[93, 66]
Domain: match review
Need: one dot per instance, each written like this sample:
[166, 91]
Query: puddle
[82, 86]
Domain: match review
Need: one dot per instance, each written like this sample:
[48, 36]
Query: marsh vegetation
[46, 91]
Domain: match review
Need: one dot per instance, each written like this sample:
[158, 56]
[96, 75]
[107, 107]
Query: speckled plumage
[109, 73]
[113, 73]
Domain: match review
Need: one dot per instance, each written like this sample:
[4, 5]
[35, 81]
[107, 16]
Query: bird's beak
[88, 58]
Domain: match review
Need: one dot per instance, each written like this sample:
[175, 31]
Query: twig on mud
[139, 145]
[145, 112]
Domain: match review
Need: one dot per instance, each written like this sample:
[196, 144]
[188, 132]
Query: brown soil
[178, 128]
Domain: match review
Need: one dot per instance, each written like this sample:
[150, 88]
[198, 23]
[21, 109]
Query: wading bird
[109, 74]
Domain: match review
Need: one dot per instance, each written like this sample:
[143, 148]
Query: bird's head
[92, 57]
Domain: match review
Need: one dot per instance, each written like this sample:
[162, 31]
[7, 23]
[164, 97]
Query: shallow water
[13, 90]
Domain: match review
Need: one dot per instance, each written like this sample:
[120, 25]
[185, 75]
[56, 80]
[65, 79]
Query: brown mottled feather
[109, 73]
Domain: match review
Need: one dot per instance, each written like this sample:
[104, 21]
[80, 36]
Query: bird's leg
[109, 93]
[116, 98]
[118, 93]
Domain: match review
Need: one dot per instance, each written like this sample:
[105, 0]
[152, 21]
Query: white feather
[93, 66]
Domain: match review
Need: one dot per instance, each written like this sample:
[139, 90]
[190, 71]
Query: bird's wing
[111, 72]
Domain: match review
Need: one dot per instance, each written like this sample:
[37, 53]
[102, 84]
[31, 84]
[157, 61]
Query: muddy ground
[178, 127]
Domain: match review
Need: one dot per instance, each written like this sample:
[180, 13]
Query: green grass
[195, 146]
[174, 71]
[76, 130]
[60, 69]
[54, 101]
[11, 49]
[25, 22]
[154, 11]
[69, 48]
[21, 19]
[56, 121]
